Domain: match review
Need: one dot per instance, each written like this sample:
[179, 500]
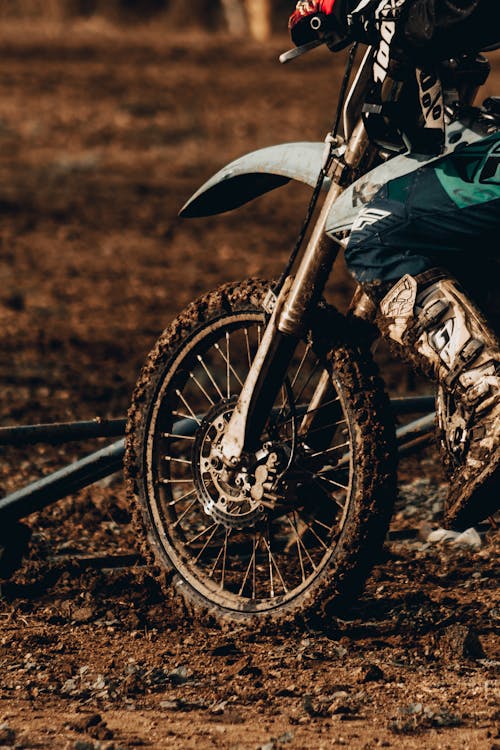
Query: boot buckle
[468, 353]
[429, 317]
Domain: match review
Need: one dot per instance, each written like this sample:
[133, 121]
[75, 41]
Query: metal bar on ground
[59, 484]
[37, 495]
[416, 428]
[62, 432]
[413, 404]
[422, 441]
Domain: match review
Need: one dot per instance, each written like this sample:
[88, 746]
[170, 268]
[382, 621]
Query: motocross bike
[261, 453]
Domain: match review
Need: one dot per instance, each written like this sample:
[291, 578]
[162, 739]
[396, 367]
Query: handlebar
[292, 54]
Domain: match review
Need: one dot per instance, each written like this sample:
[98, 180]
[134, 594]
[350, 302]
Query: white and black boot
[444, 333]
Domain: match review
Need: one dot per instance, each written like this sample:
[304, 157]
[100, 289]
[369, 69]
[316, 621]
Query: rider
[420, 224]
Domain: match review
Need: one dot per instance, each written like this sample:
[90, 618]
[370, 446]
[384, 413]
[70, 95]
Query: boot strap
[429, 317]
[467, 354]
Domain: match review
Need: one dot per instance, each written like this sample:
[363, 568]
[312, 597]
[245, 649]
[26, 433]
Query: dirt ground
[103, 135]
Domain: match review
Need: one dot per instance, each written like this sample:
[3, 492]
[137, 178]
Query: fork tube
[321, 250]
[259, 390]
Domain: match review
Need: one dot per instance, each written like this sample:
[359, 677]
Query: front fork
[288, 320]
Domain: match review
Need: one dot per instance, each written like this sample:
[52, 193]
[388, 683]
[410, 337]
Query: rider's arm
[439, 29]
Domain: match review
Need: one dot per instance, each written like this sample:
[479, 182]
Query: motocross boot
[442, 332]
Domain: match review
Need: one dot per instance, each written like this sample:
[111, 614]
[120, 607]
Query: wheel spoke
[183, 497]
[202, 533]
[300, 541]
[323, 427]
[180, 414]
[176, 481]
[249, 567]
[308, 380]
[249, 356]
[332, 481]
[228, 365]
[179, 394]
[271, 580]
[254, 570]
[179, 460]
[296, 375]
[224, 559]
[310, 528]
[312, 411]
[184, 513]
[299, 368]
[330, 450]
[202, 550]
[209, 375]
[214, 566]
[177, 437]
[229, 369]
[329, 494]
[299, 551]
[272, 562]
[195, 379]
[323, 525]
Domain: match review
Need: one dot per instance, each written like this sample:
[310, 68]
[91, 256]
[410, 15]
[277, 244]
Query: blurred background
[255, 17]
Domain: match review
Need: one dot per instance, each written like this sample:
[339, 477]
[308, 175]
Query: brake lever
[292, 54]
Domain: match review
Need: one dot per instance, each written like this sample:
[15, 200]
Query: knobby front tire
[294, 532]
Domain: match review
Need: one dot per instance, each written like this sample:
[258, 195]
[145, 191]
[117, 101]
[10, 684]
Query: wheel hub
[227, 495]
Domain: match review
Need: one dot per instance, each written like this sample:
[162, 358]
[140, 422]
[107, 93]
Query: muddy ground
[103, 135]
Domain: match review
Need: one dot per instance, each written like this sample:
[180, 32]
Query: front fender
[253, 175]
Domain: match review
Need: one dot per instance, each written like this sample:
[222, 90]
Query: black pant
[445, 214]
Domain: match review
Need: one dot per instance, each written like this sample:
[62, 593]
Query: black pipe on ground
[63, 482]
[61, 432]
[77, 475]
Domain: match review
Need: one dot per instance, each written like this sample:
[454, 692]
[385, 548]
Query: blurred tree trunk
[259, 18]
[234, 13]
[248, 15]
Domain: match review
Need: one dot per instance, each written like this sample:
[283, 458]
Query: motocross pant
[446, 214]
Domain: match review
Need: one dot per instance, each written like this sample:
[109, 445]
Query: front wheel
[301, 521]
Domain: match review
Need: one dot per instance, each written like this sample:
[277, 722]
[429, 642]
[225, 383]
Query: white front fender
[253, 175]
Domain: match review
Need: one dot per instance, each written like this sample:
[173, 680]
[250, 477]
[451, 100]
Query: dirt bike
[261, 451]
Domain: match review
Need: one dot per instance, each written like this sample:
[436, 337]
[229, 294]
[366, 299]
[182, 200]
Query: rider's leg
[409, 228]
[440, 329]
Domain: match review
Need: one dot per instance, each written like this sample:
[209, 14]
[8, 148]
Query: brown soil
[103, 135]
